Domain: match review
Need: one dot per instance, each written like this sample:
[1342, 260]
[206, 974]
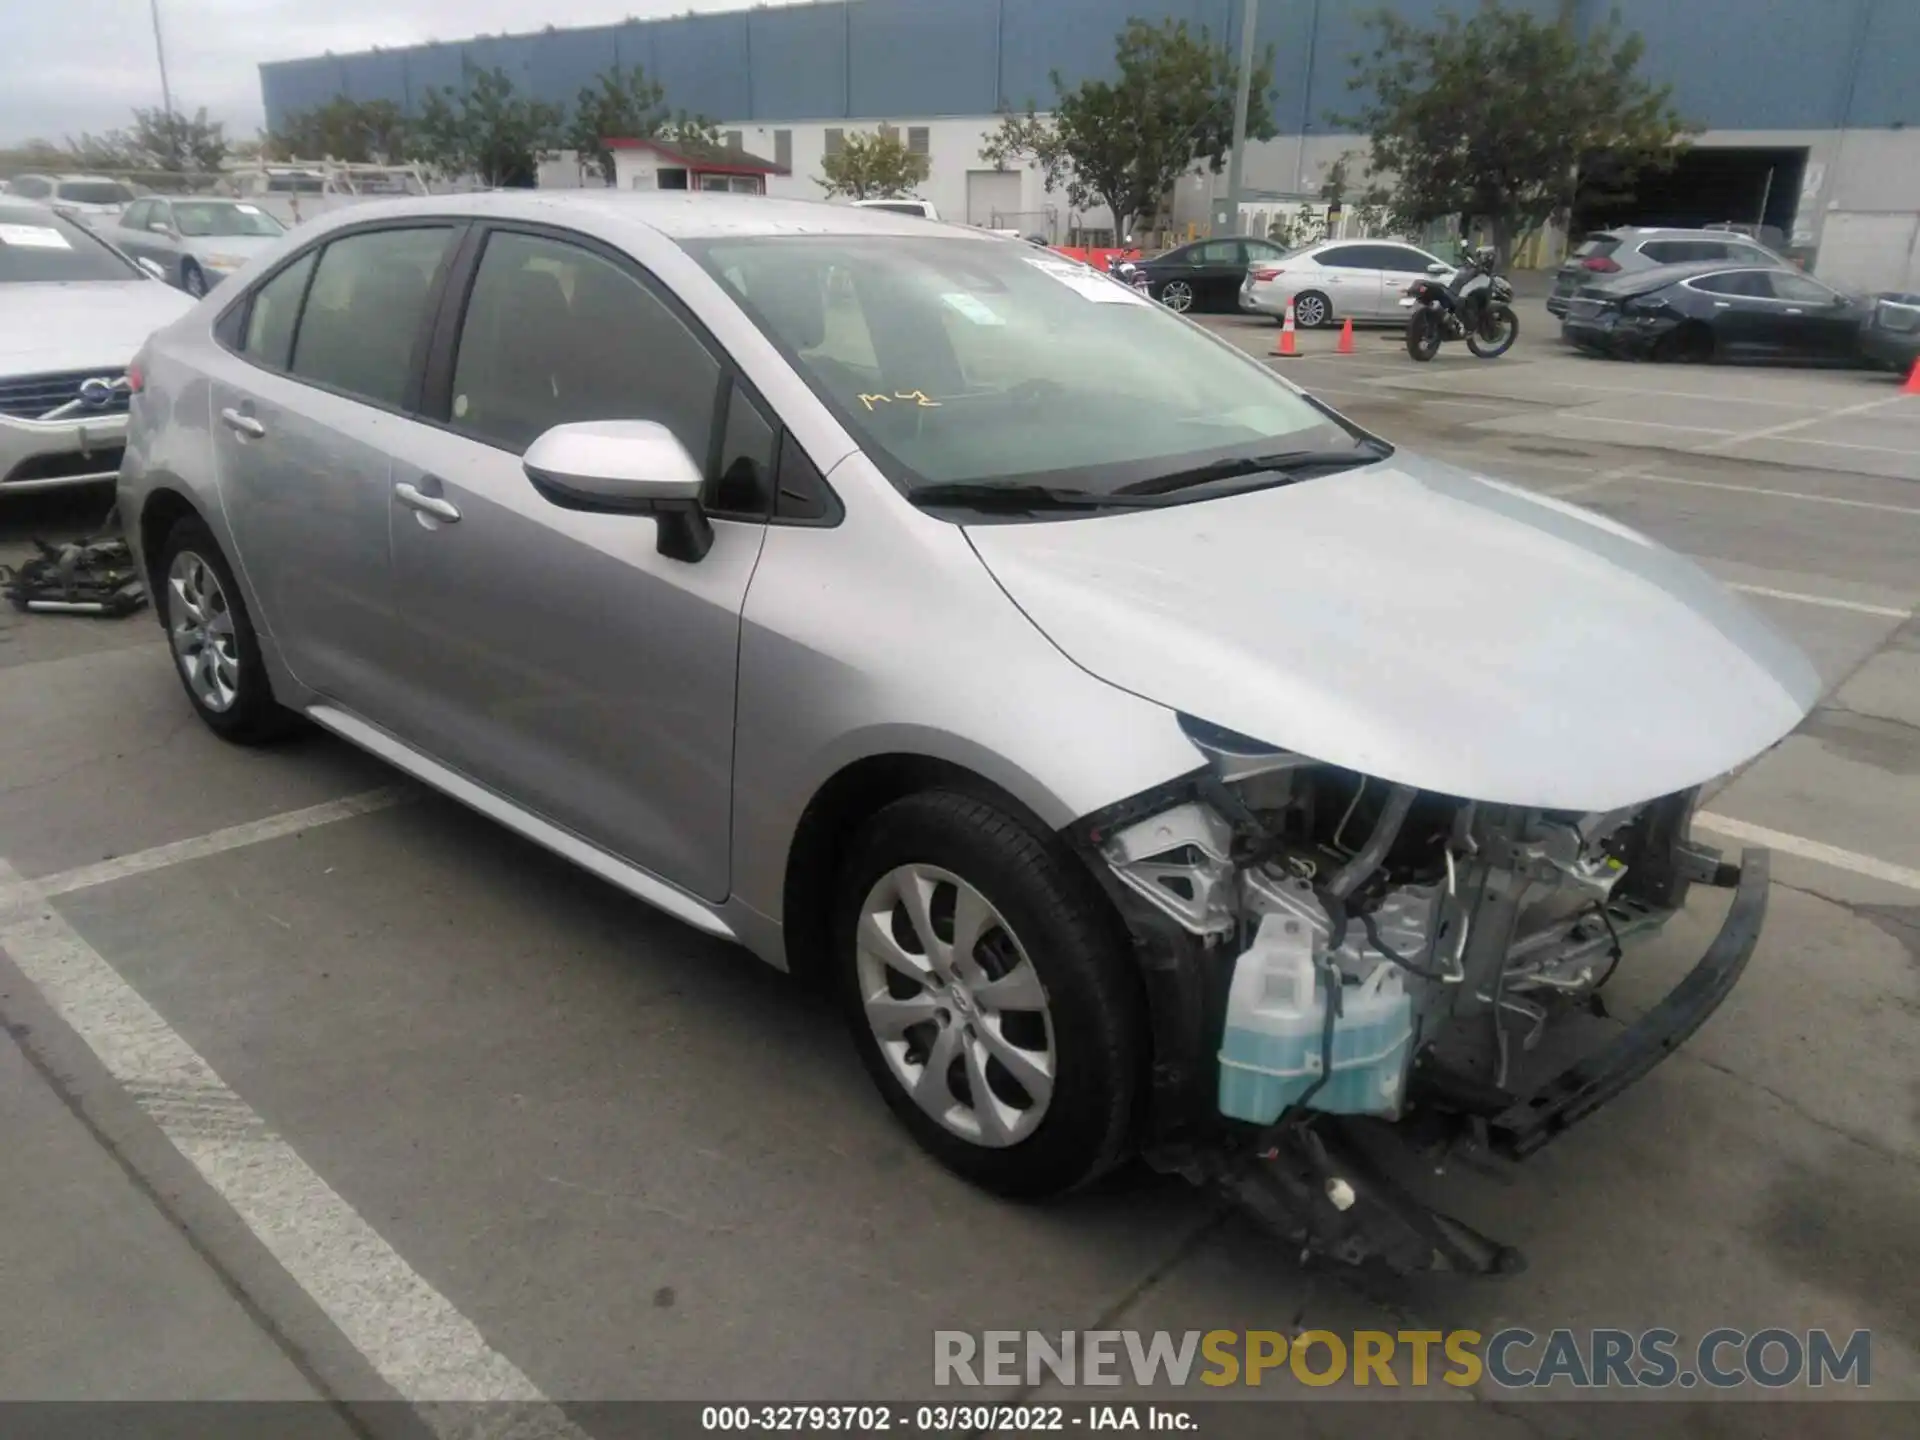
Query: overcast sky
[73, 65]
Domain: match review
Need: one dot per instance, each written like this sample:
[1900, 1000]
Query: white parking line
[1782, 494]
[1809, 849]
[290, 822]
[1747, 437]
[411, 1333]
[1831, 602]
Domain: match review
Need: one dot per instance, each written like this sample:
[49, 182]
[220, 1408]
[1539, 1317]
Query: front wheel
[1495, 333]
[193, 279]
[988, 988]
[1423, 334]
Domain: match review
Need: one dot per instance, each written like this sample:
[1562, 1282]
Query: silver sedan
[943, 620]
[1338, 280]
[195, 243]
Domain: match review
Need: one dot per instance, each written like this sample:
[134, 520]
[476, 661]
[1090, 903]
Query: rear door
[305, 413]
[1353, 279]
[554, 655]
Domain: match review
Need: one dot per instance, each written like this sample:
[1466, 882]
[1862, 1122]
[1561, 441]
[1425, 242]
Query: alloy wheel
[956, 1005]
[1309, 312]
[193, 282]
[200, 630]
[1177, 295]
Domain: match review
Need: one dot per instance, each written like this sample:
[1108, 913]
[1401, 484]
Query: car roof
[22, 210]
[676, 214]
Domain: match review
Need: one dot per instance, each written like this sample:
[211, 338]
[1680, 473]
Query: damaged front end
[1344, 972]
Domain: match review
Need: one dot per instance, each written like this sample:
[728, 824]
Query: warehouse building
[1808, 110]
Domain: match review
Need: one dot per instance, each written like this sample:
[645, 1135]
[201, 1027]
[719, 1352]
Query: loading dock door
[992, 193]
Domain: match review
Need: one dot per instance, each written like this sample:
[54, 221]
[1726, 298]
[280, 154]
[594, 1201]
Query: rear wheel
[1311, 310]
[988, 989]
[1423, 334]
[212, 639]
[1177, 295]
[1499, 327]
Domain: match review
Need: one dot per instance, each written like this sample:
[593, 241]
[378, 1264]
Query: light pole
[1227, 216]
[166, 94]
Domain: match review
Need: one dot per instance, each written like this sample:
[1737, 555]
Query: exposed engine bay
[1370, 953]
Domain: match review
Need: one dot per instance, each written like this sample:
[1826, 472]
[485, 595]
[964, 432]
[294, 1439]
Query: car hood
[1421, 624]
[52, 327]
[242, 246]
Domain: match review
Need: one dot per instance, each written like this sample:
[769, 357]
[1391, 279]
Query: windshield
[38, 245]
[957, 361]
[217, 217]
[93, 192]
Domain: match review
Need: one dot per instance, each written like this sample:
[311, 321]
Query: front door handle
[417, 499]
[242, 424]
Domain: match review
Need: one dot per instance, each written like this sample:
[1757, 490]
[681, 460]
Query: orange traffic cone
[1284, 345]
[1345, 347]
[1912, 387]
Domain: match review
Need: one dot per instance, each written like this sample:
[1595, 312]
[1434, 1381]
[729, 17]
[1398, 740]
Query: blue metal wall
[1760, 64]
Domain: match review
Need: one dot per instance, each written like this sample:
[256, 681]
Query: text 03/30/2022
[1513, 1358]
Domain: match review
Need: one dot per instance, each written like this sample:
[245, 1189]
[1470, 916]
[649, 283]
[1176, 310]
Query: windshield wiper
[1021, 498]
[1289, 464]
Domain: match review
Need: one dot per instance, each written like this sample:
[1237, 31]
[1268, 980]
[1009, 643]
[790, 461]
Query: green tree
[1506, 118]
[623, 104]
[485, 129]
[874, 165]
[357, 131]
[1125, 142]
[156, 141]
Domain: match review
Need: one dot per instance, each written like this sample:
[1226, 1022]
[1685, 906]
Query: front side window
[38, 245]
[1799, 289]
[958, 361]
[136, 215]
[1750, 283]
[364, 310]
[1403, 260]
[218, 217]
[555, 334]
[270, 319]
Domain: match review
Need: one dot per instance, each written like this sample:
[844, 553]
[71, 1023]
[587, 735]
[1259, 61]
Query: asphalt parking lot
[333, 1088]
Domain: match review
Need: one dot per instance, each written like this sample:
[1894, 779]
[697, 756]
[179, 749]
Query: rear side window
[364, 311]
[1679, 252]
[1352, 256]
[555, 333]
[276, 305]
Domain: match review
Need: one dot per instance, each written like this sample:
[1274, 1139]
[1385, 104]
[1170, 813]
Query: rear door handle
[415, 498]
[242, 424]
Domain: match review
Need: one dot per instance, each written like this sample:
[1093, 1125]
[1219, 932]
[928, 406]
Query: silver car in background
[939, 618]
[88, 199]
[1336, 280]
[1644, 247]
[197, 242]
[72, 314]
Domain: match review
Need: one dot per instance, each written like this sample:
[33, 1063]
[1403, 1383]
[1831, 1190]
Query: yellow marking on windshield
[919, 397]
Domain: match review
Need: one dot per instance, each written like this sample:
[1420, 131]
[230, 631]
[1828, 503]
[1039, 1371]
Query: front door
[555, 655]
[304, 419]
[1816, 323]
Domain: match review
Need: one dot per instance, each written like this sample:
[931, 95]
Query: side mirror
[152, 267]
[1439, 268]
[625, 467]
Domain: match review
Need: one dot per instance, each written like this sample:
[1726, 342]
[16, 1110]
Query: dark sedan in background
[1206, 274]
[1706, 311]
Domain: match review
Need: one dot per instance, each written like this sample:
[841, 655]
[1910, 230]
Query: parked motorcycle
[1474, 305]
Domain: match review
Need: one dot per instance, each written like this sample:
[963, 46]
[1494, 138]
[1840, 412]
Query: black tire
[192, 279]
[1499, 327]
[1076, 946]
[254, 717]
[1423, 335]
[1315, 305]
